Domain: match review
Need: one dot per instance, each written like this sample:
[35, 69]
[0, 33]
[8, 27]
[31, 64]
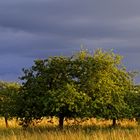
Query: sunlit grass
[91, 129]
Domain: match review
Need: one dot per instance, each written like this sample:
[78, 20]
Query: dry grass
[88, 130]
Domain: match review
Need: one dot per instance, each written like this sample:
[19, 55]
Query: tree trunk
[138, 120]
[61, 121]
[114, 122]
[6, 121]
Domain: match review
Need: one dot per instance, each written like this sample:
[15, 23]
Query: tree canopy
[83, 85]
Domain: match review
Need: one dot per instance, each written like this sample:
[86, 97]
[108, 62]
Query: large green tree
[85, 84]
[63, 100]
[103, 78]
[48, 90]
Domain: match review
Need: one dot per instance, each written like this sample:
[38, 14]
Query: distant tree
[133, 100]
[8, 94]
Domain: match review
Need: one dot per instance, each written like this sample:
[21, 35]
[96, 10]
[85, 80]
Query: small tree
[8, 93]
[133, 100]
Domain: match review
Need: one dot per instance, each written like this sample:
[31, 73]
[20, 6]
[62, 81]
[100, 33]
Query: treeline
[83, 85]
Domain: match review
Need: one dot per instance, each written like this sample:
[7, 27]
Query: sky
[36, 29]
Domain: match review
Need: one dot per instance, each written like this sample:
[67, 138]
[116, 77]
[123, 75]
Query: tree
[46, 90]
[67, 86]
[62, 100]
[103, 78]
[133, 100]
[8, 93]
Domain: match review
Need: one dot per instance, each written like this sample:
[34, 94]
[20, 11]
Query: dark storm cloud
[32, 29]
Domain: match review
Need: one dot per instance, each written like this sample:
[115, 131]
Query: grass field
[88, 130]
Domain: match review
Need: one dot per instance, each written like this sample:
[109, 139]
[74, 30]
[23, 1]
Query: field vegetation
[91, 129]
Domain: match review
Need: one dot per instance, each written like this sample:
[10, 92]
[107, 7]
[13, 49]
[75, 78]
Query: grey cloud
[33, 29]
[70, 19]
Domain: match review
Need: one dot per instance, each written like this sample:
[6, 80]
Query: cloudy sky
[31, 29]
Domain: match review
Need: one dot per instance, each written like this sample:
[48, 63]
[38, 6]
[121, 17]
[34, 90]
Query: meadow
[91, 129]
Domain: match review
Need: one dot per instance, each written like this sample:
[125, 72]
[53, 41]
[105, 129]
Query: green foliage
[103, 78]
[29, 103]
[112, 83]
[8, 93]
[133, 100]
[66, 101]
[48, 91]
[81, 85]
